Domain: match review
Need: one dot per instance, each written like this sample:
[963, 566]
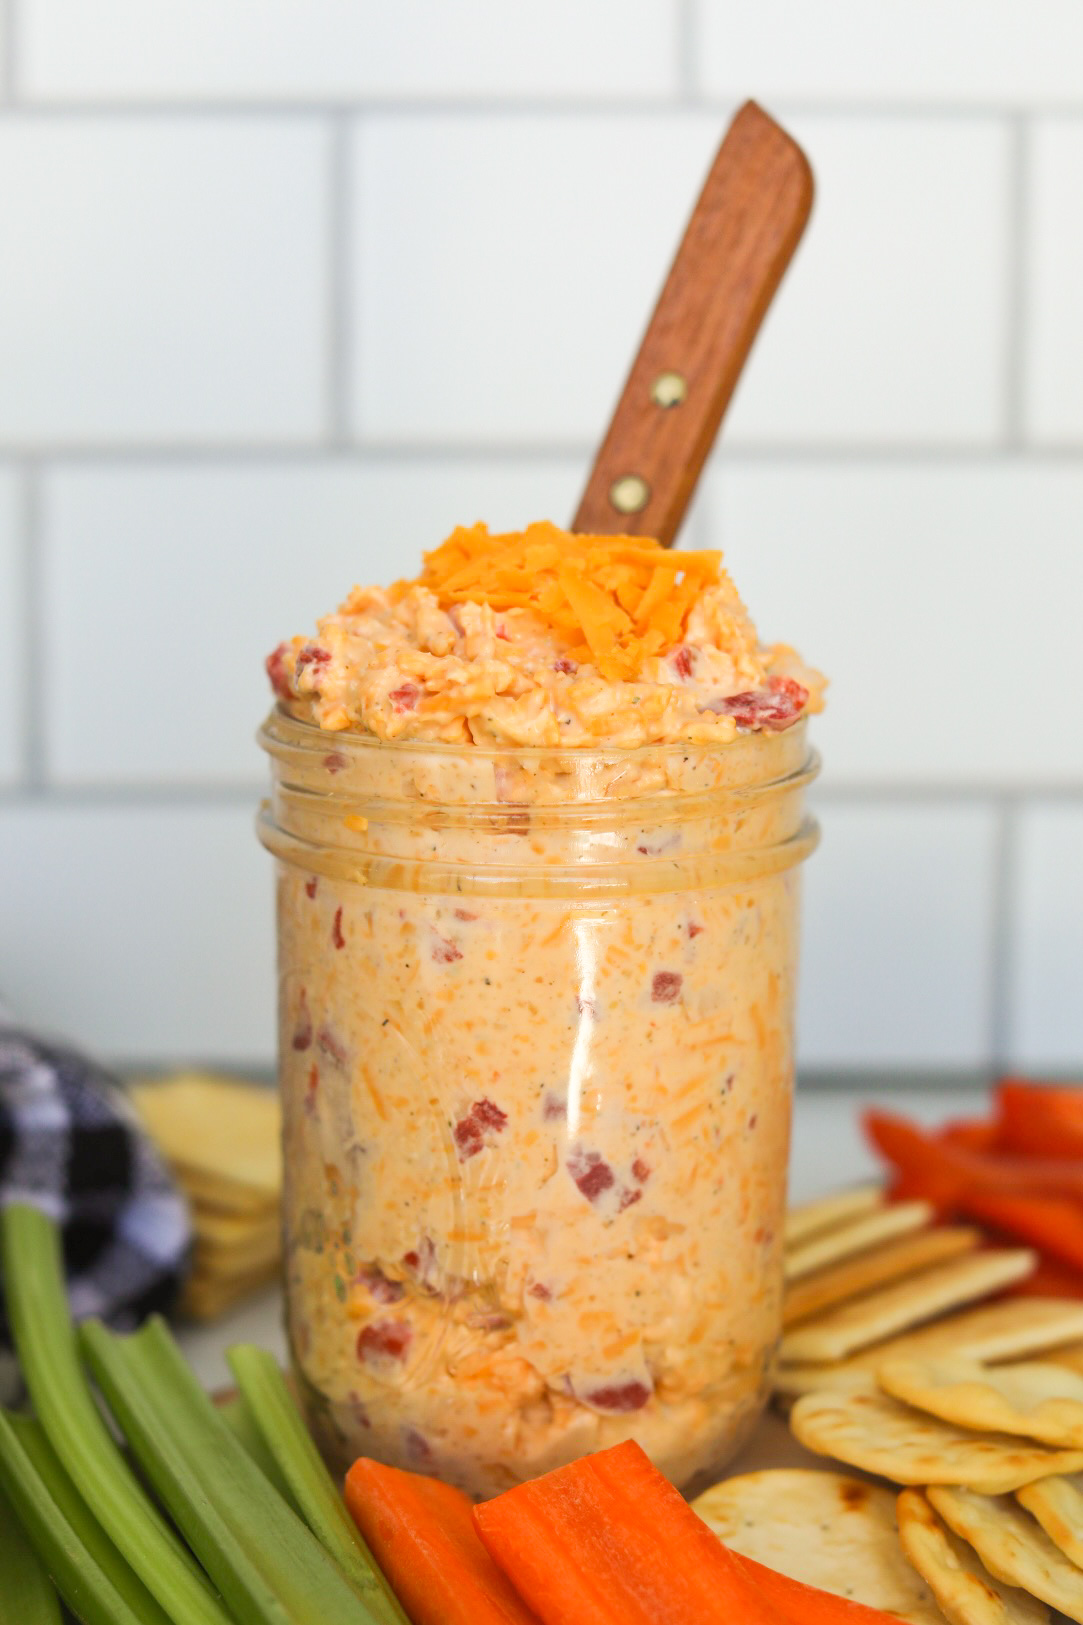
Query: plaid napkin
[71, 1145]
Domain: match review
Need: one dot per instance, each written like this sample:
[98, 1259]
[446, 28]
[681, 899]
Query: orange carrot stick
[422, 1535]
[1050, 1279]
[1040, 1120]
[800, 1604]
[609, 1541]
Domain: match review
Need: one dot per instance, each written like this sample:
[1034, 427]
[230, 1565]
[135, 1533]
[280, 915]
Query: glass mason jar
[536, 1015]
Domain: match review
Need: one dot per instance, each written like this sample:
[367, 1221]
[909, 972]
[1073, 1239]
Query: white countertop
[827, 1151]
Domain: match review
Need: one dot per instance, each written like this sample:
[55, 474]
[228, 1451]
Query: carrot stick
[422, 1535]
[609, 1541]
[941, 1171]
[973, 1134]
[1049, 1279]
[1048, 1222]
[800, 1604]
[1039, 1120]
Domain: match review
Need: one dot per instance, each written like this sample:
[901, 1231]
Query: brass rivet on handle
[669, 389]
[630, 494]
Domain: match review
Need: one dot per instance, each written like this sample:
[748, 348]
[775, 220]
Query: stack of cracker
[866, 1279]
[893, 1367]
[221, 1138]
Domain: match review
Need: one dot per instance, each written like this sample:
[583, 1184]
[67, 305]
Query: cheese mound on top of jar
[543, 637]
[538, 816]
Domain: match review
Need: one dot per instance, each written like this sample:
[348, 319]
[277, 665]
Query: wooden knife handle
[739, 241]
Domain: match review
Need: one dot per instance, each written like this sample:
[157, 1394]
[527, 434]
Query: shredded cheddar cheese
[614, 600]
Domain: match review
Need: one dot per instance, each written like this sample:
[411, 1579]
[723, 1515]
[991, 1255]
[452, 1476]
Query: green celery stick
[84, 1585]
[82, 1522]
[45, 1341]
[238, 1418]
[269, 1568]
[312, 1489]
[27, 1595]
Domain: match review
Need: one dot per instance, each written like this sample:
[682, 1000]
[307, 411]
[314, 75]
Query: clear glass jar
[536, 1017]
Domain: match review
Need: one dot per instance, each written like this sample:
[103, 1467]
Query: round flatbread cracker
[962, 1585]
[1035, 1400]
[825, 1529]
[881, 1435]
[1012, 1546]
[1057, 1503]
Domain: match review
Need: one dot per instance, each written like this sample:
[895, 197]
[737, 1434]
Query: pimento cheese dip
[538, 816]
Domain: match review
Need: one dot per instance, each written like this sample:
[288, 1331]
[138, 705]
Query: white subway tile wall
[287, 291]
[12, 645]
[1047, 1013]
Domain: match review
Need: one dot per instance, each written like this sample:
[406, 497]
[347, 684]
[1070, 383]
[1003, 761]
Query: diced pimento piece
[405, 698]
[616, 1397]
[641, 1170]
[417, 1447]
[302, 1032]
[775, 707]
[465, 915]
[334, 761]
[553, 1107]
[666, 986]
[566, 667]
[336, 930]
[539, 1290]
[275, 666]
[378, 1285]
[446, 952]
[471, 1132]
[694, 928]
[384, 1340]
[311, 887]
[683, 660]
[591, 1173]
[421, 1261]
[330, 1044]
[313, 655]
[628, 1198]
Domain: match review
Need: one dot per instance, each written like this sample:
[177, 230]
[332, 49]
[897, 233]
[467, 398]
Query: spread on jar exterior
[538, 815]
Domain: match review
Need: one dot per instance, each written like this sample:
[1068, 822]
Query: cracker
[870, 1430]
[1057, 1503]
[1007, 1330]
[1012, 1546]
[856, 1236]
[220, 1127]
[1037, 1401]
[891, 1262]
[1072, 1356]
[809, 1218]
[965, 1590]
[825, 1529]
[906, 1303]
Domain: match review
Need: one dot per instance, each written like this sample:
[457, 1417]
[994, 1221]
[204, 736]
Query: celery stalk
[85, 1586]
[27, 1595]
[86, 1529]
[269, 1568]
[238, 1418]
[312, 1489]
[45, 1341]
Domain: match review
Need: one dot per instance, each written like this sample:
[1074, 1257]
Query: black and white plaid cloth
[70, 1144]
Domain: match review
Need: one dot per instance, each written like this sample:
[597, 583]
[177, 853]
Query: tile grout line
[34, 660]
[340, 336]
[1015, 249]
[366, 449]
[687, 40]
[8, 46]
[1003, 927]
[554, 106]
